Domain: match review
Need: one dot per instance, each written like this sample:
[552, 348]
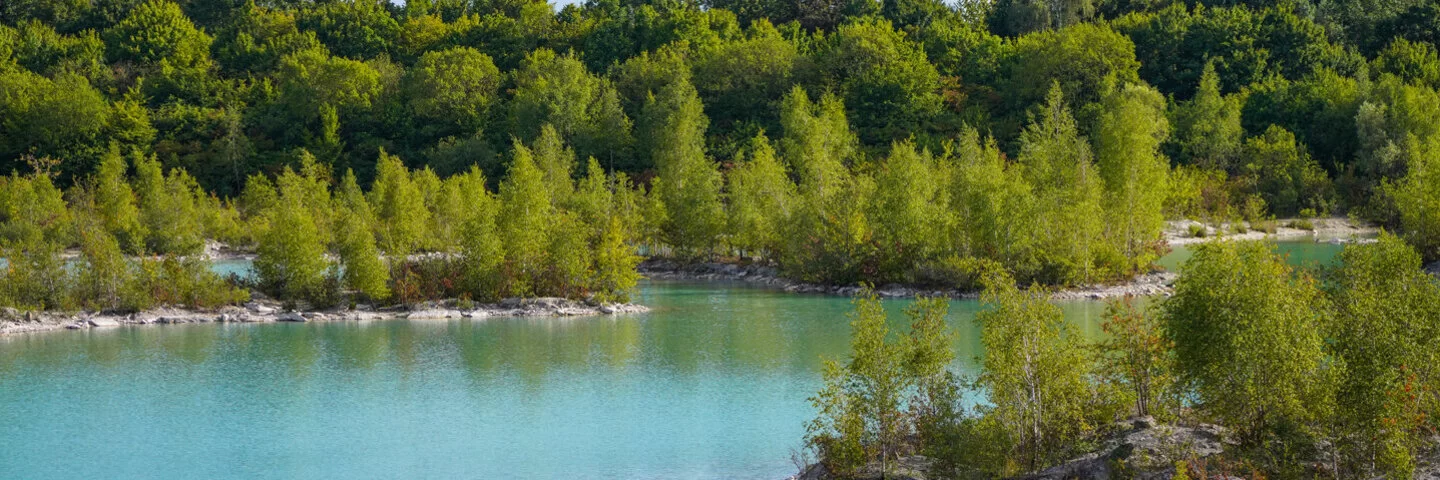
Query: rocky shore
[1334, 230]
[1157, 283]
[14, 321]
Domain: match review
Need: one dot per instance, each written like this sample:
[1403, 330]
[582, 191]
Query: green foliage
[157, 32]
[615, 277]
[1247, 336]
[168, 209]
[1068, 188]
[865, 406]
[557, 90]
[524, 224]
[1284, 174]
[1128, 136]
[1417, 199]
[1207, 127]
[689, 182]
[760, 196]
[453, 90]
[1385, 331]
[1137, 358]
[363, 269]
[1036, 375]
[885, 79]
[290, 260]
[399, 205]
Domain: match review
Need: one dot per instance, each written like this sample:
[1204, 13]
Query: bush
[1198, 230]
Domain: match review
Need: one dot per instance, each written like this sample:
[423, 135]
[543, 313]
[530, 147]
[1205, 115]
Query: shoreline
[1175, 234]
[13, 321]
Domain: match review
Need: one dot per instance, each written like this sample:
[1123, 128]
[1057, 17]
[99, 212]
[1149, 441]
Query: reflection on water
[711, 384]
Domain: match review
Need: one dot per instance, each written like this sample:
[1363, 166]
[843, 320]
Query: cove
[712, 383]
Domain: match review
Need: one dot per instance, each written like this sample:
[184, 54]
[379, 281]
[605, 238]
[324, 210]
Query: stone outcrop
[1146, 452]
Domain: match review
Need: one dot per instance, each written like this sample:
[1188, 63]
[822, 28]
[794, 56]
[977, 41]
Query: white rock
[104, 322]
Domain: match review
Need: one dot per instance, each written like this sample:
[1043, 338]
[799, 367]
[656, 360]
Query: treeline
[1309, 108]
[141, 239]
[1332, 374]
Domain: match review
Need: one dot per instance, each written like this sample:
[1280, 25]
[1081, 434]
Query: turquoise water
[1305, 253]
[712, 384]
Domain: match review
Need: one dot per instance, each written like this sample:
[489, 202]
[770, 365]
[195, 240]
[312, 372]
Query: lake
[711, 384]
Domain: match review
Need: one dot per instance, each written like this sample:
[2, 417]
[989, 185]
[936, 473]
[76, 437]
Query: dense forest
[905, 141]
[479, 150]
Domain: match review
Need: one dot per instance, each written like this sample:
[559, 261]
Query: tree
[363, 269]
[290, 258]
[688, 180]
[583, 108]
[992, 204]
[157, 32]
[115, 202]
[358, 29]
[614, 277]
[1131, 128]
[863, 407]
[167, 207]
[1083, 59]
[1385, 332]
[760, 196]
[556, 162]
[103, 276]
[1285, 175]
[453, 90]
[742, 81]
[1207, 128]
[1036, 376]
[524, 223]
[1247, 335]
[483, 250]
[890, 87]
[1137, 357]
[907, 210]
[1068, 215]
[400, 213]
[1417, 199]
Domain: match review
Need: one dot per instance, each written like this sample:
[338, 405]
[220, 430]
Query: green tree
[889, 85]
[115, 202]
[363, 269]
[760, 195]
[1246, 329]
[158, 31]
[1417, 199]
[689, 182]
[102, 279]
[614, 277]
[524, 223]
[1128, 136]
[451, 91]
[1068, 218]
[863, 407]
[400, 213]
[583, 108]
[1036, 375]
[1137, 357]
[357, 29]
[1285, 175]
[290, 257]
[908, 211]
[557, 162]
[1386, 332]
[167, 208]
[1207, 127]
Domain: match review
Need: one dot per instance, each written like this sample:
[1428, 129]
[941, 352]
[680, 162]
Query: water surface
[712, 384]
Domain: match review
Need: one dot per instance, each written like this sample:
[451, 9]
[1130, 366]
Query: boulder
[290, 317]
[1148, 450]
[104, 322]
